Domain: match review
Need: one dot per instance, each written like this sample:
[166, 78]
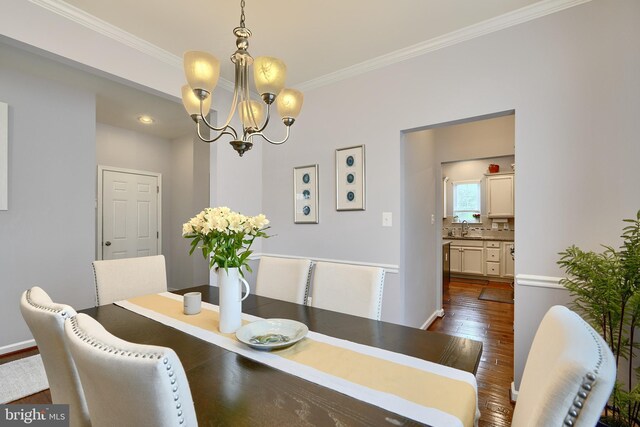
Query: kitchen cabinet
[446, 264]
[467, 257]
[487, 258]
[500, 195]
[492, 257]
[509, 267]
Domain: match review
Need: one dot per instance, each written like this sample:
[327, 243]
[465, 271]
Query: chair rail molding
[388, 268]
[539, 281]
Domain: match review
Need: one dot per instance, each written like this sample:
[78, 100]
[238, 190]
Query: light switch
[387, 219]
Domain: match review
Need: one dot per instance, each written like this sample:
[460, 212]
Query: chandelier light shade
[192, 103]
[269, 75]
[202, 71]
[289, 103]
[251, 114]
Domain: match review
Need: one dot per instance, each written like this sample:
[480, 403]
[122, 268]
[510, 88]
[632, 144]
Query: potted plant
[605, 288]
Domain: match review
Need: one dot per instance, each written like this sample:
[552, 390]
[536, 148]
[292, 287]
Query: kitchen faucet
[465, 228]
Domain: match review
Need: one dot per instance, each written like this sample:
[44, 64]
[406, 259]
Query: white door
[130, 217]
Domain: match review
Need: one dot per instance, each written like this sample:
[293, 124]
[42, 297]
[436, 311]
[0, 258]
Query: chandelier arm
[266, 120]
[244, 84]
[224, 132]
[234, 103]
[231, 110]
[211, 127]
[263, 136]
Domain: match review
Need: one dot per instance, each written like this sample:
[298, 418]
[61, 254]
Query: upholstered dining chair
[350, 289]
[284, 279]
[568, 376]
[118, 279]
[45, 319]
[128, 384]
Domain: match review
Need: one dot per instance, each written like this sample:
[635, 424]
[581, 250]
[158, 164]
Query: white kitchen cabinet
[500, 195]
[493, 268]
[467, 259]
[492, 257]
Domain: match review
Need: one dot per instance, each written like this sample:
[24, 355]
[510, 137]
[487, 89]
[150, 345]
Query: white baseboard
[17, 346]
[513, 392]
[437, 313]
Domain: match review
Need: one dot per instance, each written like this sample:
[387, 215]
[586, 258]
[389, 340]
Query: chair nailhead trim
[84, 337]
[586, 386]
[379, 311]
[306, 289]
[95, 281]
[61, 311]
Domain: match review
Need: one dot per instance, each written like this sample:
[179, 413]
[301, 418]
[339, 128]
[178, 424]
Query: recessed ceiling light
[144, 119]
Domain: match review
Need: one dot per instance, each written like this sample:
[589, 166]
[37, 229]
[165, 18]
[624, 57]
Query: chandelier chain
[242, 14]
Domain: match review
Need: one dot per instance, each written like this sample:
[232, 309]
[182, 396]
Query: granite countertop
[494, 238]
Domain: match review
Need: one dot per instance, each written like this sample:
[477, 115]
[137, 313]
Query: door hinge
[157, 234]
[158, 189]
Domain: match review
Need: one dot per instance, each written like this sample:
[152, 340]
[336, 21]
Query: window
[466, 201]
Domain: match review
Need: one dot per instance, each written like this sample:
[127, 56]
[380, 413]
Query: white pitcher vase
[231, 299]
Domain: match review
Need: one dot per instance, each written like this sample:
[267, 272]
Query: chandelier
[203, 70]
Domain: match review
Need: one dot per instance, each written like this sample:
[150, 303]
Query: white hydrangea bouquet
[225, 236]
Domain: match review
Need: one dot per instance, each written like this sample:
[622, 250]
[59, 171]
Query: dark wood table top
[229, 389]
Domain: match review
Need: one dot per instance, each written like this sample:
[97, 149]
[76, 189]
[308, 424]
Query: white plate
[283, 333]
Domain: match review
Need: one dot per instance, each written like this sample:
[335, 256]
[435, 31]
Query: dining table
[229, 389]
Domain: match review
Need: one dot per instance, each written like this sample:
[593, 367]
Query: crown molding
[81, 17]
[528, 13]
[525, 14]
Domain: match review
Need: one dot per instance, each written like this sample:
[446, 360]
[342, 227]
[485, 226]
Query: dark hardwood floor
[492, 323]
[465, 316]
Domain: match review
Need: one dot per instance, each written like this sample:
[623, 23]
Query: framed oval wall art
[350, 179]
[305, 195]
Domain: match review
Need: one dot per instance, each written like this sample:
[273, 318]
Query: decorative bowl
[271, 334]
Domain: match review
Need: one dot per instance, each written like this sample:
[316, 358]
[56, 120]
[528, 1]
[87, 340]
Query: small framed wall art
[350, 179]
[305, 194]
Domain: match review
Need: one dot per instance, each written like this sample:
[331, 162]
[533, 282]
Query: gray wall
[190, 194]
[418, 233]
[184, 166]
[47, 237]
[123, 148]
[571, 78]
[423, 153]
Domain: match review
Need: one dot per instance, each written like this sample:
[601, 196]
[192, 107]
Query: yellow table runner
[441, 394]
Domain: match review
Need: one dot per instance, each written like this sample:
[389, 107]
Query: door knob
[107, 243]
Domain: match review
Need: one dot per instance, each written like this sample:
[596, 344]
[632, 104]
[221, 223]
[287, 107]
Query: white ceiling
[316, 39]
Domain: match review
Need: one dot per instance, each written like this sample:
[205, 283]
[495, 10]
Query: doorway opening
[128, 213]
[468, 147]
[435, 159]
